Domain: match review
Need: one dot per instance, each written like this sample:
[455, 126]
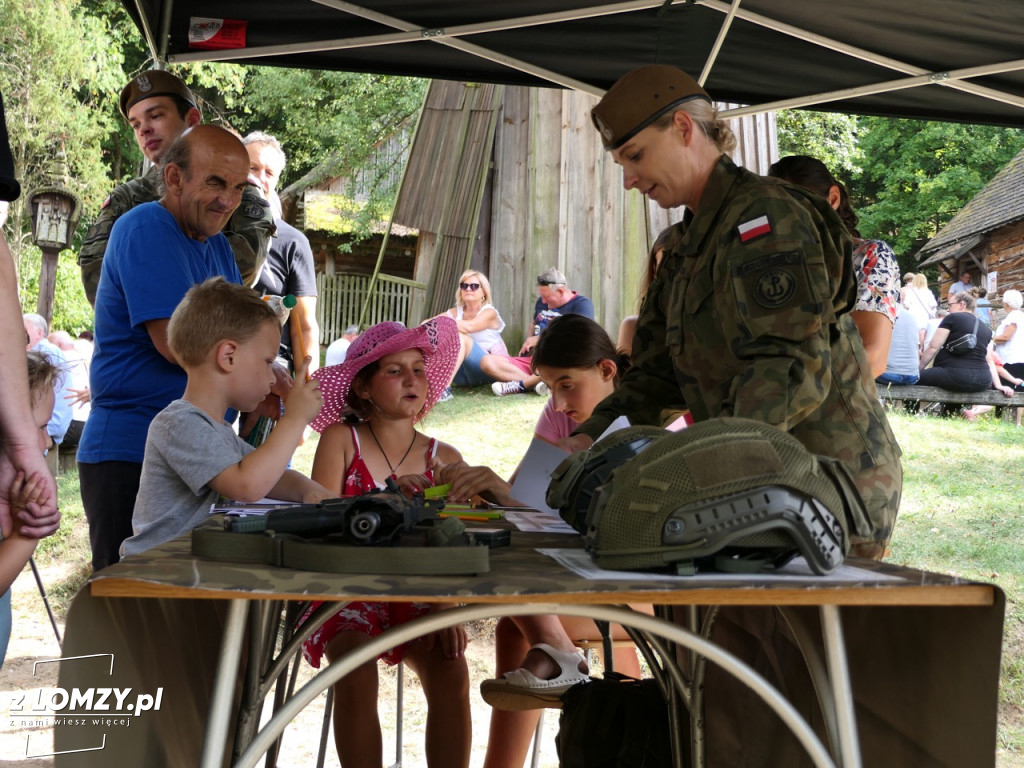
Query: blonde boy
[226, 339]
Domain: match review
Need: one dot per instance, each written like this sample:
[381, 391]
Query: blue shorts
[904, 379]
[469, 373]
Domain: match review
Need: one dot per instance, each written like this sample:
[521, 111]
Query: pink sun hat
[437, 339]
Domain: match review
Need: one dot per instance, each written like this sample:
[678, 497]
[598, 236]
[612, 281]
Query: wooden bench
[900, 392]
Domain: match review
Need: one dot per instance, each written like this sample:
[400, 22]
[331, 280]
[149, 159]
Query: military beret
[155, 82]
[640, 97]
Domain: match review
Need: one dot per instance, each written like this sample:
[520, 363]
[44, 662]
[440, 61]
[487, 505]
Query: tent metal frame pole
[147, 31]
[858, 53]
[411, 33]
[934, 78]
[165, 31]
[719, 42]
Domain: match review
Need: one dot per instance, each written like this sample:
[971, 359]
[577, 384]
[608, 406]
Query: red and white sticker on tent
[216, 34]
[754, 228]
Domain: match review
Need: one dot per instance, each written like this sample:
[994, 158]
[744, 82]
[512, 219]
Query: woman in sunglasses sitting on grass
[480, 328]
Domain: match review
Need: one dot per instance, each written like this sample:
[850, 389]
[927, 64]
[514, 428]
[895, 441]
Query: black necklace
[394, 469]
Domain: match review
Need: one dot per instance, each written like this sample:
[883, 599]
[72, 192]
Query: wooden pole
[47, 284]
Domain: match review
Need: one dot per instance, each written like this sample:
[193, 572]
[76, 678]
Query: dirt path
[32, 640]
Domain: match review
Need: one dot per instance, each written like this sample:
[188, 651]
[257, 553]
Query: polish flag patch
[754, 228]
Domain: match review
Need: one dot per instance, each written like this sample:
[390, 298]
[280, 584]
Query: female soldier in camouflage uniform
[749, 313]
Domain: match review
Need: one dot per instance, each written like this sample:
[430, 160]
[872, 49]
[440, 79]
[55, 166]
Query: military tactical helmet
[577, 480]
[728, 494]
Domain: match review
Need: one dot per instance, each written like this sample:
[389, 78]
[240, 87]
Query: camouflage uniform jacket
[249, 230]
[749, 316]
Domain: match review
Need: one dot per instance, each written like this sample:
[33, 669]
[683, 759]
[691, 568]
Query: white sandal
[520, 689]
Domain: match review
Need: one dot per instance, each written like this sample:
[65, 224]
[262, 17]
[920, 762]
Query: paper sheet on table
[535, 470]
[538, 521]
[580, 562]
[531, 485]
[620, 423]
[242, 509]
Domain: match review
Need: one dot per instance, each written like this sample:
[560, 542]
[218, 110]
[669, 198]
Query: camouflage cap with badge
[725, 494]
[155, 82]
[640, 97]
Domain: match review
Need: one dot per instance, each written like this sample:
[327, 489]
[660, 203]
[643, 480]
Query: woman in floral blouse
[878, 273]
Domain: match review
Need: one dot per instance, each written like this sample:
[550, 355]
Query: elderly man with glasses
[554, 298]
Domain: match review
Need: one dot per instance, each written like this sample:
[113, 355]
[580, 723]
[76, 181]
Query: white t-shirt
[1012, 351]
[488, 338]
[336, 351]
[921, 304]
[930, 329]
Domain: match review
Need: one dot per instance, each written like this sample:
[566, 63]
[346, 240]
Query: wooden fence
[341, 299]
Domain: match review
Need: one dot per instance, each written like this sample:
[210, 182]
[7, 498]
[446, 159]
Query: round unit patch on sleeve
[775, 288]
[772, 279]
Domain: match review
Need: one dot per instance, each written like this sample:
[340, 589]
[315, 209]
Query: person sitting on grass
[226, 338]
[392, 376]
[514, 375]
[480, 328]
[25, 491]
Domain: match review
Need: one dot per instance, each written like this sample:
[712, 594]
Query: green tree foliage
[55, 68]
[831, 137]
[63, 64]
[916, 175]
[907, 178]
[331, 125]
[340, 116]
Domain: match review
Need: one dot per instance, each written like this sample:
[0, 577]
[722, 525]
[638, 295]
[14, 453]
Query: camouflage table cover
[922, 649]
[519, 573]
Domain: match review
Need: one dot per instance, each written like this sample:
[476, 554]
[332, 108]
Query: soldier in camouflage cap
[749, 314]
[156, 82]
[159, 107]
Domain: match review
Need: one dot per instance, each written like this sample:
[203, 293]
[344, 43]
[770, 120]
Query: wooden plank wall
[1006, 257]
[1001, 251]
[553, 198]
[441, 192]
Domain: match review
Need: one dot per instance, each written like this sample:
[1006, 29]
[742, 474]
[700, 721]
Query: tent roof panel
[762, 60]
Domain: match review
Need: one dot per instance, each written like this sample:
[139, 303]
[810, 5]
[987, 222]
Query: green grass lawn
[958, 515]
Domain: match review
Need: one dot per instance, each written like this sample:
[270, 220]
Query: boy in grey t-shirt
[226, 339]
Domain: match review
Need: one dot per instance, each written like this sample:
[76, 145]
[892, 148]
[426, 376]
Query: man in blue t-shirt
[963, 285]
[513, 375]
[157, 251]
[553, 299]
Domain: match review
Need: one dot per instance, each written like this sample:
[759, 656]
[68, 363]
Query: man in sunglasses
[554, 298]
